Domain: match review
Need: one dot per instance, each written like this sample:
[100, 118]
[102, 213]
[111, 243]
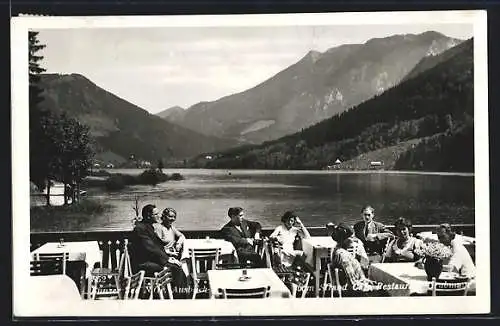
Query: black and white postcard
[327, 164]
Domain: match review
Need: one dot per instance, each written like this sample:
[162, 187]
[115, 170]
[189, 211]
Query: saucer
[448, 276]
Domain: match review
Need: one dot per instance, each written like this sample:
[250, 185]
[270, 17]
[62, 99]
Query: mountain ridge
[318, 86]
[433, 112]
[119, 126]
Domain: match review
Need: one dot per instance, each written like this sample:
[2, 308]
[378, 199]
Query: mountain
[424, 123]
[122, 128]
[315, 88]
[431, 61]
[173, 114]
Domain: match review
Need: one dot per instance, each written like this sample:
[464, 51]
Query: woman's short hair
[369, 207]
[288, 215]
[169, 212]
[147, 211]
[402, 223]
[233, 211]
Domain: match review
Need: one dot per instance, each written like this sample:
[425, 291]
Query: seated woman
[460, 261]
[373, 234]
[285, 234]
[351, 243]
[172, 238]
[345, 261]
[403, 247]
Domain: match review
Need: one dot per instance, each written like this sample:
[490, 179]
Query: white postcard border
[24, 307]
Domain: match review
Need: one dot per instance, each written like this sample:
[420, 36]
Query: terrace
[97, 266]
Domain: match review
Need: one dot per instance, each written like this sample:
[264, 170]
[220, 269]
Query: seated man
[461, 260]
[242, 234]
[147, 249]
[373, 234]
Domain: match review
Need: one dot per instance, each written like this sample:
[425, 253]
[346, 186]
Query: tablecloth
[81, 250]
[259, 277]
[48, 288]
[402, 279]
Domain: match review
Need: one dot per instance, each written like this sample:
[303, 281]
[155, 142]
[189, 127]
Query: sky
[160, 67]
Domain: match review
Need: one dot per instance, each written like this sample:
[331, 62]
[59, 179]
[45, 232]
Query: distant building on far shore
[336, 165]
[376, 164]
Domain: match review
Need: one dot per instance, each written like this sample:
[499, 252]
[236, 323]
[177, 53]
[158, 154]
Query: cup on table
[244, 273]
[207, 238]
[61, 242]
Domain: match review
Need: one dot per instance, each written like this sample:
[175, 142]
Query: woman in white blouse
[286, 233]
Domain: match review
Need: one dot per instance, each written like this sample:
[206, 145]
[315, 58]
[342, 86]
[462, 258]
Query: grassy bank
[66, 217]
[118, 181]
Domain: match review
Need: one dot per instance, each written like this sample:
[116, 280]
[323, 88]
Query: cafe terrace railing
[111, 243]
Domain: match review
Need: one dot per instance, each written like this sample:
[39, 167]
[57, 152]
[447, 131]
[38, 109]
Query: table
[259, 277]
[402, 279]
[227, 249]
[47, 288]
[315, 249]
[87, 251]
[81, 250]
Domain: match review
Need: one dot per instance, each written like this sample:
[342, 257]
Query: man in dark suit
[373, 234]
[243, 234]
[147, 250]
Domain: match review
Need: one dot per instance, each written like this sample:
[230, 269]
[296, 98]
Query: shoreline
[264, 171]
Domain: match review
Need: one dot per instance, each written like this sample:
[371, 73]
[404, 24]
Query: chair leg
[118, 288]
[325, 282]
[170, 293]
[195, 289]
[151, 290]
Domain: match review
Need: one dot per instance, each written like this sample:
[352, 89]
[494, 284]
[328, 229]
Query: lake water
[202, 199]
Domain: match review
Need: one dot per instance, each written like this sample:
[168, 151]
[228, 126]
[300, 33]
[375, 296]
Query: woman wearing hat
[352, 244]
[343, 259]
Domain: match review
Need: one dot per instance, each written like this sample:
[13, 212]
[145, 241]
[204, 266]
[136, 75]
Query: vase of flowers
[434, 254]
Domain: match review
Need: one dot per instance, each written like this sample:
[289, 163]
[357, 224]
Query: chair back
[203, 260]
[46, 267]
[251, 293]
[222, 266]
[133, 286]
[300, 282]
[259, 247]
[162, 282]
[449, 288]
[62, 257]
[115, 256]
[388, 245]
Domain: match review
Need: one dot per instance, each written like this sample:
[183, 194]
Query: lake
[203, 198]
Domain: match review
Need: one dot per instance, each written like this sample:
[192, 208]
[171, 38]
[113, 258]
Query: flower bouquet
[434, 253]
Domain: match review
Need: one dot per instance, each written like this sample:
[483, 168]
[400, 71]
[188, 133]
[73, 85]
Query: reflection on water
[202, 199]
